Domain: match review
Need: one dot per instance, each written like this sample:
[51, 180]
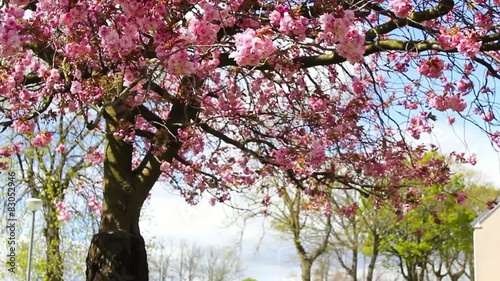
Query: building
[487, 244]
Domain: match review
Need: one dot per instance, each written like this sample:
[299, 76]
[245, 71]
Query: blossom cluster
[401, 8]
[432, 68]
[94, 204]
[454, 102]
[343, 32]
[467, 42]
[289, 24]
[63, 214]
[252, 47]
[10, 38]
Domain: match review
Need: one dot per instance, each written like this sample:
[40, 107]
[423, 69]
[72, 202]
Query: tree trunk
[305, 266]
[373, 260]
[353, 271]
[472, 274]
[54, 267]
[117, 256]
[118, 251]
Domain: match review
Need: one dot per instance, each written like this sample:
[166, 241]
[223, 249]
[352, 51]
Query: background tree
[218, 95]
[356, 222]
[339, 237]
[191, 262]
[332, 231]
[59, 174]
[434, 239]
[295, 217]
[323, 269]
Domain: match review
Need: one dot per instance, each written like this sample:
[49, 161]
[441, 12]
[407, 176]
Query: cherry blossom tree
[213, 96]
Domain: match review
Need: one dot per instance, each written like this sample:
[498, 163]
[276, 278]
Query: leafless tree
[185, 261]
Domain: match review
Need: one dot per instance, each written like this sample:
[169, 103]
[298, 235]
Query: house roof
[476, 224]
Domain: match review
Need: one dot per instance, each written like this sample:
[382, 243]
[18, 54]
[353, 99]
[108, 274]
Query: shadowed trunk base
[117, 257]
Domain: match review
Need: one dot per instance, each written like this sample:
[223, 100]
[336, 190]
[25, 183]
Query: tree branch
[375, 47]
[416, 17]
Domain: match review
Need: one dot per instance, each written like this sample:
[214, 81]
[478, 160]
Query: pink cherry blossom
[23, 127]
[251, 47]
[461, 197]
[349, 211]
[488, 116]
[76, 87]
[205, 33]
[432, 68]
[401, 8]
[275, 17]
[179, 62]
[352, 47]
[456, 103]
[293, 26]
[469, 46]
[16, 147]
[5, 152]
[358, 86]
[10, 38]
[94, 205]
[317, 105]
[440, 197]
[445, 102]
[327, 22]
[60, 148]
[464, 85]
[210, 12]
[472, 159]
[62, 208]
[418, 125]
[448, 39]
[96, 157]
[4, 165]
[165, 167]
[483, 19]
[224, 96]
[42, 139]
[212, 201]
[53, 78]
[110, 39]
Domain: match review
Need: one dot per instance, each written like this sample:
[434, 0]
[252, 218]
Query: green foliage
[437, 231]
[249, 279]
[37, 262]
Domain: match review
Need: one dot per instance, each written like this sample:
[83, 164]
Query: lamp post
[420, 273]
[33, 204]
